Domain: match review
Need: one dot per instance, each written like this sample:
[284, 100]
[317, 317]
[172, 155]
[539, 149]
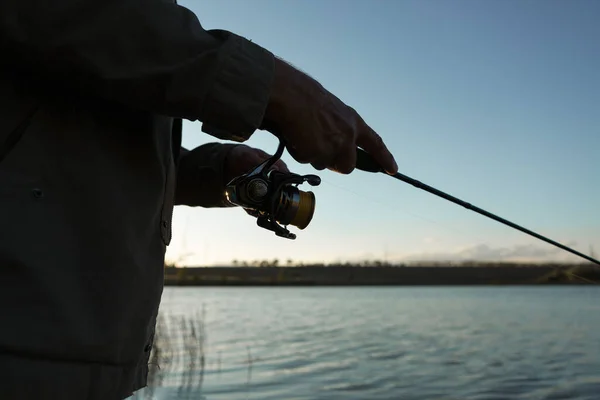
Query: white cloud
[484, 252]
[430, 240]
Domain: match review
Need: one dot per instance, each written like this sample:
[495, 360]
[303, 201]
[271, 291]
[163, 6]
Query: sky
[494, 102]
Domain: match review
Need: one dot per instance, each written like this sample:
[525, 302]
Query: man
[92, 94]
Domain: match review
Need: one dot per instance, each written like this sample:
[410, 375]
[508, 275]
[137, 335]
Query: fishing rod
[365, 162]
[274, 199]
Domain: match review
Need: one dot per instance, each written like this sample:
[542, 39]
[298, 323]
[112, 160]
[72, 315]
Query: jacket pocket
[16, 134]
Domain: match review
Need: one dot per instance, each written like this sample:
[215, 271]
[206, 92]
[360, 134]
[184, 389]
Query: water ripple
[383, 343]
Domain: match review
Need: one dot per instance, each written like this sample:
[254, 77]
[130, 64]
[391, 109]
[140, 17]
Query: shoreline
[383, 275]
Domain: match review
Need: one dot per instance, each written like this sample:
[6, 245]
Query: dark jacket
[92, 94]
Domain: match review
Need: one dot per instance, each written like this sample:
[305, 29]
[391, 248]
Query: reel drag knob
[257, 190]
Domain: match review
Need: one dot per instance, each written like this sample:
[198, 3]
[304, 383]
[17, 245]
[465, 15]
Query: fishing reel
[273, 197]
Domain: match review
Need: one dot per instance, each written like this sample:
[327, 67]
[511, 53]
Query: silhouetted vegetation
[178, 356]
[269, 272]
[580, 274]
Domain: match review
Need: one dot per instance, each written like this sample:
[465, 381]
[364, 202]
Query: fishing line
[365, 162]
[274, 199]
[391, 206]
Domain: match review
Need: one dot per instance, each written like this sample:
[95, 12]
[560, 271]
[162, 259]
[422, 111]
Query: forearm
[200, 175]
[145, 54]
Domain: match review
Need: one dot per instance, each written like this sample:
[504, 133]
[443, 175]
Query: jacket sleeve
[151, 55]
[200, 178]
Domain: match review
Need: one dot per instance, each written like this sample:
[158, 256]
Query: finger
[323, 157]
[345, 161]
[260, 155]
[373, 144]
[318, 166]
[281, 166]
[246, 158]
[300, 157]
[317, 152]
[255, 157]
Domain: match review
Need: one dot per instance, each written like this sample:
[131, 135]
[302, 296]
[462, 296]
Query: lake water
[467, 343]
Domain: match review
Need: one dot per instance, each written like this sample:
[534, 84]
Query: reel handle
[366, 162]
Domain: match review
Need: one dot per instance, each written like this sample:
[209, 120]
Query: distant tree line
[380, 264]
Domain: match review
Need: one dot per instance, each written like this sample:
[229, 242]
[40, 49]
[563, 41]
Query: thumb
[281, 166]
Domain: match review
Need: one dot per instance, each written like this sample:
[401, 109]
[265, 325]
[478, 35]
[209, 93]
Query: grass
[580, 274]
[178, 357]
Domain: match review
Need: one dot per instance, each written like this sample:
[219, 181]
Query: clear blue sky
[495, 102]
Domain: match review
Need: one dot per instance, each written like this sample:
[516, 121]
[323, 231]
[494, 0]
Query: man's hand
[319, 128]
[243, 158]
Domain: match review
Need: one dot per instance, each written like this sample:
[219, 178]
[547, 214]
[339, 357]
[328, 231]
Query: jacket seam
[14, 137]
[168, 200]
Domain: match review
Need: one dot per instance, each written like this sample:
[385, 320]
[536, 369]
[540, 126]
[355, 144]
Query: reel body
[273, 197]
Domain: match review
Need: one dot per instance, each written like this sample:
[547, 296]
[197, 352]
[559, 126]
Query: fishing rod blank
[365, 162]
